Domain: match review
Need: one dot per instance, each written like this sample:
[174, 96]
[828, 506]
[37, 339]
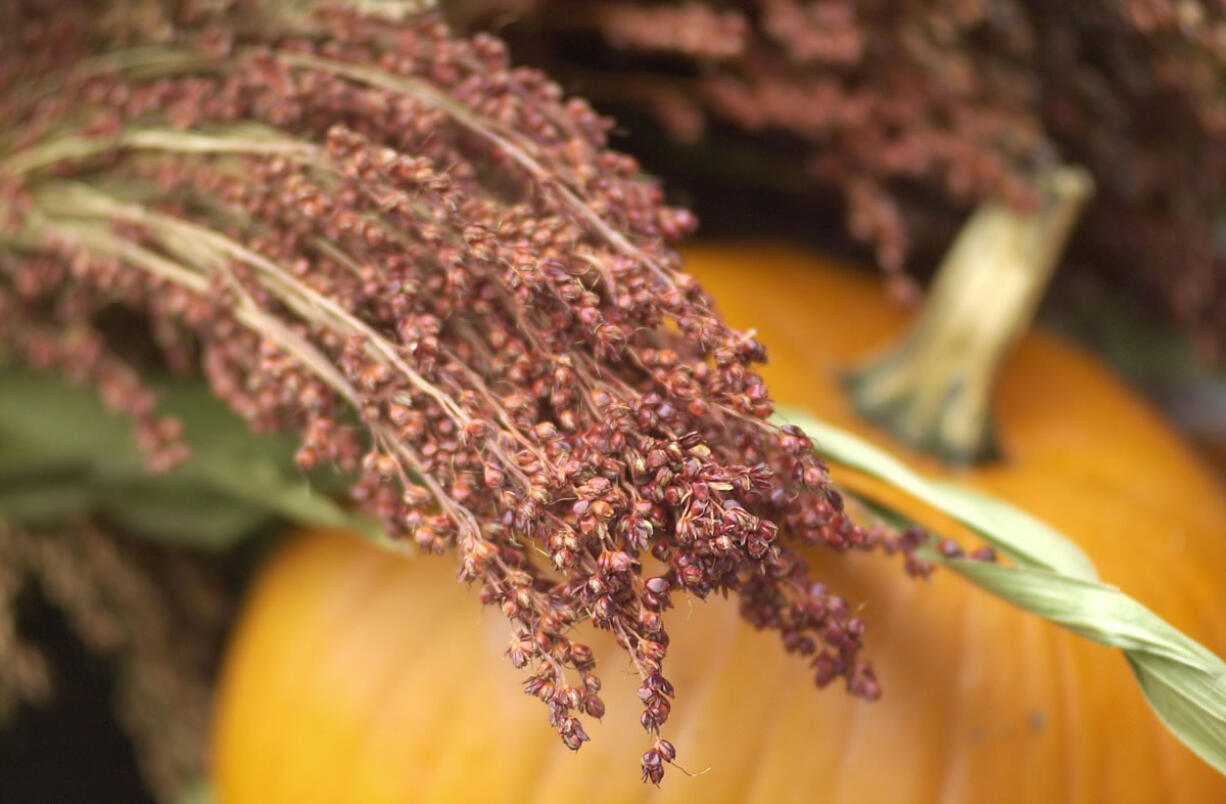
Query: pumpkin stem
[934, 389]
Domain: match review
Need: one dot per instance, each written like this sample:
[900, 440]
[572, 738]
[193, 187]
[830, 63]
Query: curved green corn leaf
[1183, 682]
[1036, 544]
[1172, 692]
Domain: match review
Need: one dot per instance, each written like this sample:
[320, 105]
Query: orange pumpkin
[358, 676]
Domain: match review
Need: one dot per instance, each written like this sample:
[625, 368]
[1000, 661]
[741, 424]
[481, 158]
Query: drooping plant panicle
[427, 263]
[964, 101]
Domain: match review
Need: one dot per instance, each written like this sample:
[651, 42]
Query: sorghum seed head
[434, 271]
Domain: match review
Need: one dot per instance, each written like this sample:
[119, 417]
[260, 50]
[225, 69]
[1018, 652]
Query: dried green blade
[1170, 691]
[1094, 610]
[1184, 683]
[1026, 540]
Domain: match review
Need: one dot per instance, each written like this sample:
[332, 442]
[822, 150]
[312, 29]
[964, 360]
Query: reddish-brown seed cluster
[964, 99]
[428, 263]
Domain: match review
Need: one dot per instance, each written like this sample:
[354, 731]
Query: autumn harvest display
[981, 702]
[267, 267]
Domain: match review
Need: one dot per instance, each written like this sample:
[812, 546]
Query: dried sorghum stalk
[967, 99]
[427, 263]
[153, 613]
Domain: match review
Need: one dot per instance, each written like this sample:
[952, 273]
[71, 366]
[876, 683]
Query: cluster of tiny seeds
[963, 98]
[427, 263]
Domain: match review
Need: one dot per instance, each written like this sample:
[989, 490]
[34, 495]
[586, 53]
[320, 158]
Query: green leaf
[1183, 682]
[1017, 534]
[62, 454]
[1177, 696]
